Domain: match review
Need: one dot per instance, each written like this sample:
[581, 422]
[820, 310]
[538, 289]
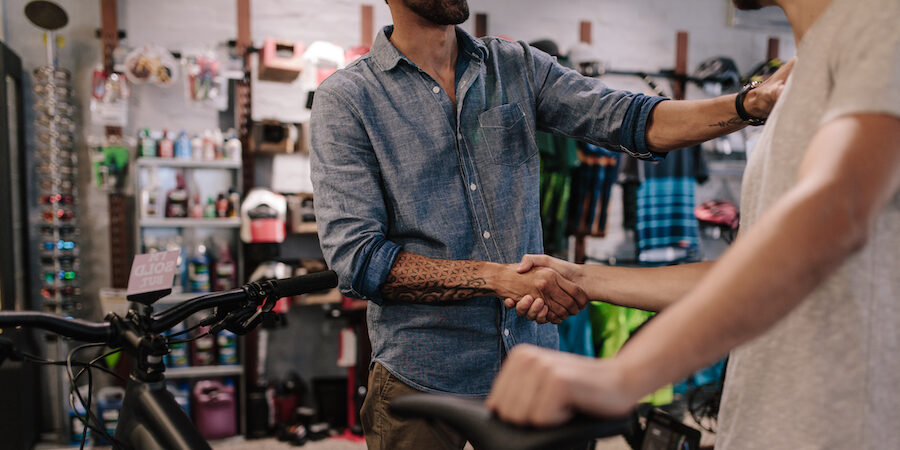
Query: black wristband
[739, 106]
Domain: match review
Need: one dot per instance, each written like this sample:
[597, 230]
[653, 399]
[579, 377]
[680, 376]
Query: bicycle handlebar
[81, 330]
[284, 287]
[487, 432]
[176, 314]
[87, 331]
[303, 284]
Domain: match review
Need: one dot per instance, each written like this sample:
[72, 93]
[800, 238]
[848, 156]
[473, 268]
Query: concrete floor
[616, 443]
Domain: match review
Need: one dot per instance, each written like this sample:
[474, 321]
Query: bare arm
[650, 289]
[419, 279]
[850, 172]
[683, 123]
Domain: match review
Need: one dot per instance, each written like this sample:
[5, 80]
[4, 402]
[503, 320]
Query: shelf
[204, 371]
[145, 161]
[305, 228]
[164, 222]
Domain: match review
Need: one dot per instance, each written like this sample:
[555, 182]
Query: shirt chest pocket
[508, 138]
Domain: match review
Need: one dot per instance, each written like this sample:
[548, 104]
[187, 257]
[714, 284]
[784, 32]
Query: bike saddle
[485, 431]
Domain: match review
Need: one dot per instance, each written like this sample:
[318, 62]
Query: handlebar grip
[81, 330]
[318, 281]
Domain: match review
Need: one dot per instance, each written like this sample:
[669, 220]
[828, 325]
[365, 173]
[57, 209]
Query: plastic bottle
[214, 407]
[204, 350]
[166, 145]
[178, 353]
[221, 206]
[209, 146]
[210, 211]
[177, 200]
[197, 148]
[197, 208]
[227, 343]
[147, 144]
[234, 200]
[224, 270]
[198, 270]
[174, 243]
[218, 143]
[233, 147]
[150, 197]
[183, 146]
[109, 404]
[75, 424]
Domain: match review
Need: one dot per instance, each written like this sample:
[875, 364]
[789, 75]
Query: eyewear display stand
[56, 170]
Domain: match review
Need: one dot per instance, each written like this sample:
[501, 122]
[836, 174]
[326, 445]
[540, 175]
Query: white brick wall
[631, 34]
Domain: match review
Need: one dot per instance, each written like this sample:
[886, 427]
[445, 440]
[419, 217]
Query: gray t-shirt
[828, 374]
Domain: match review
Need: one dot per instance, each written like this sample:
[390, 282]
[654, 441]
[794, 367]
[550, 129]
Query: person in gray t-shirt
[808, 298]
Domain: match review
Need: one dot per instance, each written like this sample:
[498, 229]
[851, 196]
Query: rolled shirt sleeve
[349, 201]
[580, 107]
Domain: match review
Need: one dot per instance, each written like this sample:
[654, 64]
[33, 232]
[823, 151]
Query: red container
[214, 409]
[267, 230]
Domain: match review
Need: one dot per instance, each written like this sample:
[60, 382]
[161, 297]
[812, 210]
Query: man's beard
[440, 12]
[747, 4]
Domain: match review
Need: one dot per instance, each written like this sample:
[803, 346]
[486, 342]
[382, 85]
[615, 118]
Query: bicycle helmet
[547, 46]
[721, 213]
[586, 59]
[764, 70]
[719, 70]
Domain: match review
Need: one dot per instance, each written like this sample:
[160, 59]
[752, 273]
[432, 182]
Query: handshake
[542, 288]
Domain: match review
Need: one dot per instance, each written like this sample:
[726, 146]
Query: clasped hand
[545, 289]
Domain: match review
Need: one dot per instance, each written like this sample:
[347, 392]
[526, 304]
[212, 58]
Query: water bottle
[227, 348]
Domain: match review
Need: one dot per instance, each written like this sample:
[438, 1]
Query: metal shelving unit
[187, 163]
[225, 174]
[204, 372]
[169, 222]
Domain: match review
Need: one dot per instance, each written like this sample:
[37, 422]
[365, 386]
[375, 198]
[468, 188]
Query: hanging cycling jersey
[558, 159]
[592, 187]
[667, 230]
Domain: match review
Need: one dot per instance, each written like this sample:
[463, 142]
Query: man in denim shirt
[425, 171]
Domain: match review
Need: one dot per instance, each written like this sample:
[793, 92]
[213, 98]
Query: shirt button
[506, 332]
[473, 186]
[459, 136]
[486, 234]
[436, 89]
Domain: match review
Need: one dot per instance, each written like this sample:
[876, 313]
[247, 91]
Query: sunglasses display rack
[56, 174]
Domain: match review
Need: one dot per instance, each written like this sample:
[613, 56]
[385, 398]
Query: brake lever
[234, 322]
[267, 307]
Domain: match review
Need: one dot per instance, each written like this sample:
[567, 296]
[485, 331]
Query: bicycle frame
[152, 419]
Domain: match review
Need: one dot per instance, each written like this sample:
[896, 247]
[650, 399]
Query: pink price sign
[153, 272]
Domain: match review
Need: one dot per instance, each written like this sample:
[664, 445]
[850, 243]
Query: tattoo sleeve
[729, 123]
[418, 279]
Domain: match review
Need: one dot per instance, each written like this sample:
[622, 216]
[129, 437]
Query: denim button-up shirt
[395, 166]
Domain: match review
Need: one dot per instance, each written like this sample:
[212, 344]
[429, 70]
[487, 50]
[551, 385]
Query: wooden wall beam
[367, 27]
[584, 32]
[772, 50]
[109, 31]
[681, 59]
[481, 29]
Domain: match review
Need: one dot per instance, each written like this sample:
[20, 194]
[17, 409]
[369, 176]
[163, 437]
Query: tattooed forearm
[417, 279]
[729, 123]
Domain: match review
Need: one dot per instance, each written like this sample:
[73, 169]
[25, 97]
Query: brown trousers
[384, 431]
